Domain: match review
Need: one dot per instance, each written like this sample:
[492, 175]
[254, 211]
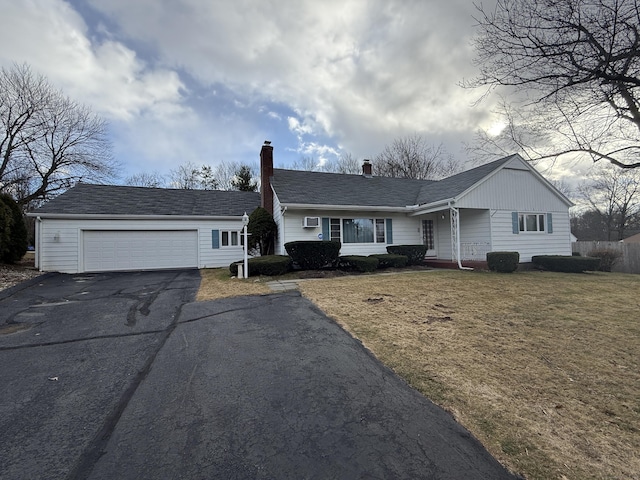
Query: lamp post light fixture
[245, 222]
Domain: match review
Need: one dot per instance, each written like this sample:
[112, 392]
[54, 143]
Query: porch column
[455, 234]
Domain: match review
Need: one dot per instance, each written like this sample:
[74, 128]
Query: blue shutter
[215, 238]
[549, 223]
[389, 231]
[514, 222]
[326, 233]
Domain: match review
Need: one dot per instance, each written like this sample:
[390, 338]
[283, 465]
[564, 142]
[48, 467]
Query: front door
[429, 237]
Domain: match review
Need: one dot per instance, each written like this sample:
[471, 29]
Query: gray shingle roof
[88, 199]
[317, 188]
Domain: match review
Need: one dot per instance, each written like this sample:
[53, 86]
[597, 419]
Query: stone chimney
[366, 168]
[266, 171]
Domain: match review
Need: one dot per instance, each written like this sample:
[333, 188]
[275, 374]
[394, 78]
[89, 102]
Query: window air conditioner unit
[311, 222]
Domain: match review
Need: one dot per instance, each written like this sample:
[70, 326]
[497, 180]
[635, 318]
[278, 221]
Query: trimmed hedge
[269, 265]
[608, 258]
[503, 262]
[390, 260]
[359, 263]
[414, 253]
[314, 255]
[565, 263]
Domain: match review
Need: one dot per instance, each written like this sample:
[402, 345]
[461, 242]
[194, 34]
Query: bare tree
[48, 142]
[225, 173]
[615, 195]
[413, 157]
[347, 163]
[571, 71]
[306, 163]
[192, 177]
[144, 179]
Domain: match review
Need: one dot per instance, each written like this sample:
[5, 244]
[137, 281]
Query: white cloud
[106, 75]
[350, 69]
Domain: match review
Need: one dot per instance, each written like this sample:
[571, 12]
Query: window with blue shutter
[514, 222]
[549, 223]
[215, 238]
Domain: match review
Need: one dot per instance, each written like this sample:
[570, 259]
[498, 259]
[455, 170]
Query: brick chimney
[366, 168]
[266, 171]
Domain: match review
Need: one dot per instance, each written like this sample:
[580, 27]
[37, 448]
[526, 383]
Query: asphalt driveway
[125, 376]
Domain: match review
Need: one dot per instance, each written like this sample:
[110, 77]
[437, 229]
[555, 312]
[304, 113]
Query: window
[379, 230]
[335, 229]
[231, 239]
[359, 230]
[531, 222]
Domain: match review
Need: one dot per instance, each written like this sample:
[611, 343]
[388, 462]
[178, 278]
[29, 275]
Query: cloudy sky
[209, 80]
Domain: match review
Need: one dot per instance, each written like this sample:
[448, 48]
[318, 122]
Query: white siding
[406, 230]
[61, 240]
[513, 189]
[443, 236]
[475, 234]
[533, 243]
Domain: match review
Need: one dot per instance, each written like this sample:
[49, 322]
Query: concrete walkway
[283, 285]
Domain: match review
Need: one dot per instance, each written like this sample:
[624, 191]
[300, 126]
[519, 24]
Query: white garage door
[107, 250]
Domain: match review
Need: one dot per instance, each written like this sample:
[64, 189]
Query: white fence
[628, 263]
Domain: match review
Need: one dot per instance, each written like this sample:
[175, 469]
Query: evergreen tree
[263, 230]
[243, 180]
[13, 238]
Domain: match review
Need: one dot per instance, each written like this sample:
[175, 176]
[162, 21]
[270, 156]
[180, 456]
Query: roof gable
[90, 199]
[456, 185]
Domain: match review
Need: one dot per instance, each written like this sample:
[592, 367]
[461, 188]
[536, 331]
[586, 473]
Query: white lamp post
[245, 222]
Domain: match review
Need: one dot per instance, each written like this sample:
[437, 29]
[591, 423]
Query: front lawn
[543, 368]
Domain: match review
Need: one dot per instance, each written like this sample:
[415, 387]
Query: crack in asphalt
[77, 340]
[119, 335]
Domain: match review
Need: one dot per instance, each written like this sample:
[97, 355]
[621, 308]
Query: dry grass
[217, 283]
[542, 367]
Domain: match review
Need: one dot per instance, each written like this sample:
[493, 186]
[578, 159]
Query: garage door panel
[109, 250]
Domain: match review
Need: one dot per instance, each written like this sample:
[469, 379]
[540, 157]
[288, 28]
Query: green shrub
[359, 263]
[414, 253]
[268, 265]
[503, 262]
[13, 238]
[565, 263]
[390, 260]
[313, 255]
[608, 258]
[576, 254]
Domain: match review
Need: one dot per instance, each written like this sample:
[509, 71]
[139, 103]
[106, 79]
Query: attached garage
[102, 228]
[106, 250]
